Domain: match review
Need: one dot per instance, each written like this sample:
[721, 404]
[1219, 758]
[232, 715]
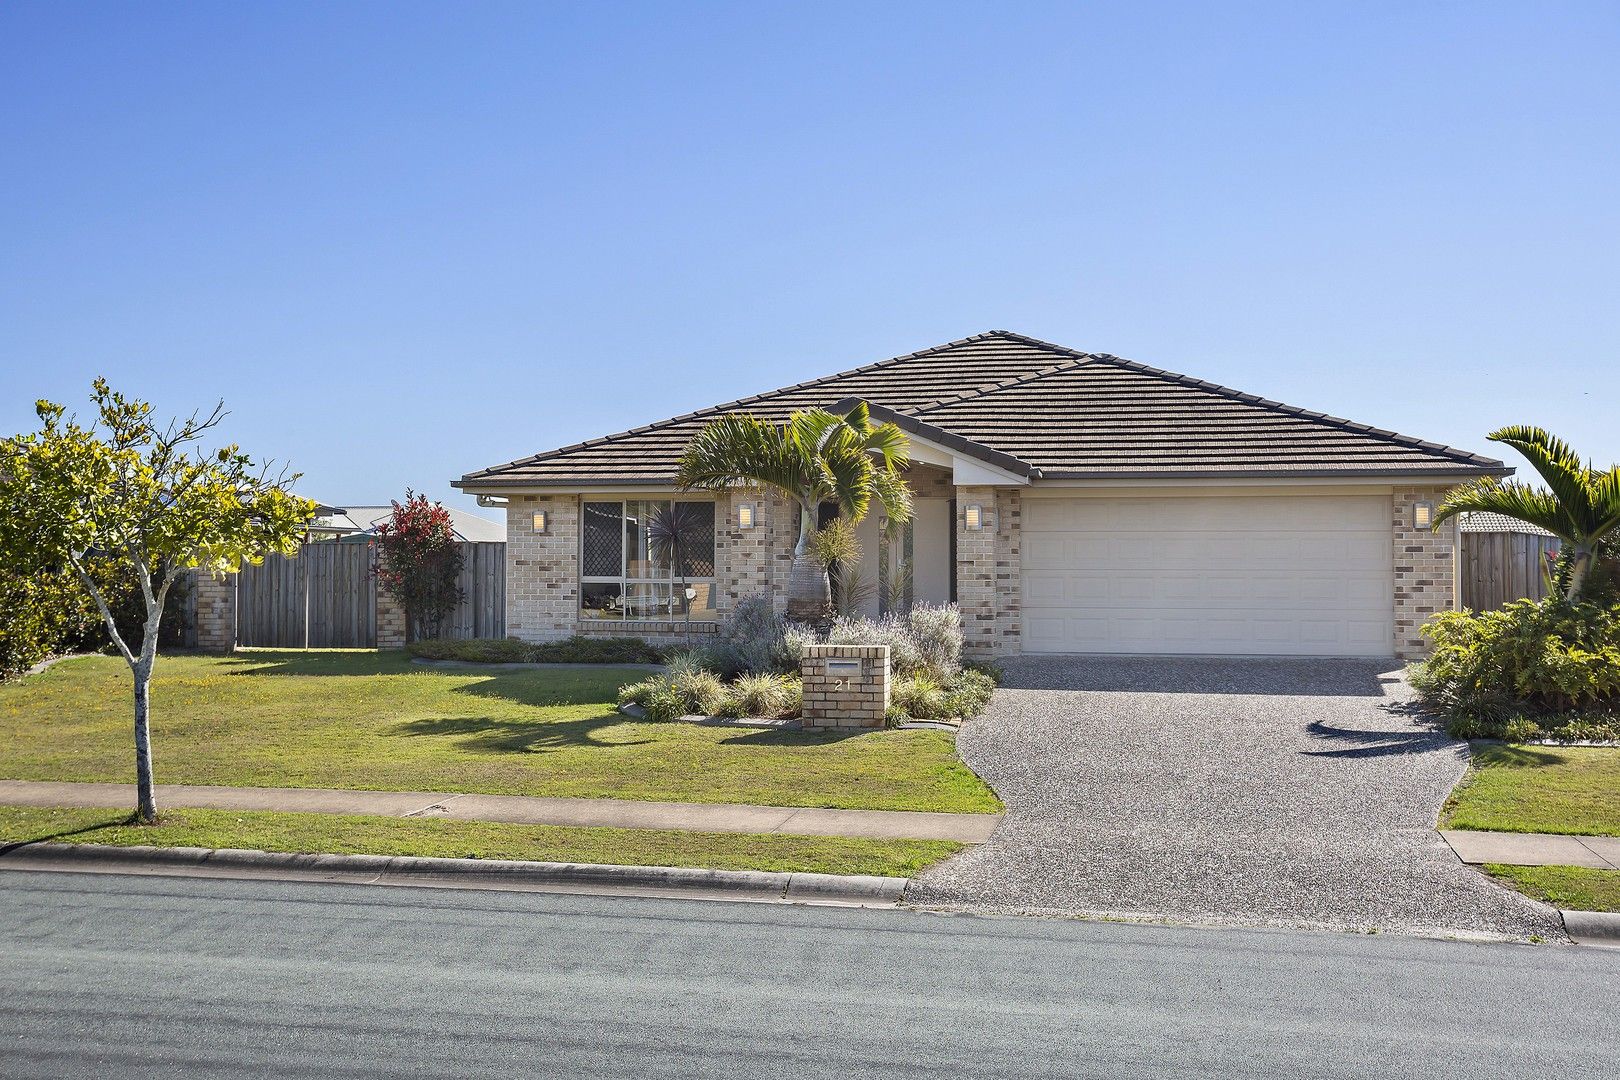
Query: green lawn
[1547, 789]
[376, 721]
[342, 834]
[1572, 887]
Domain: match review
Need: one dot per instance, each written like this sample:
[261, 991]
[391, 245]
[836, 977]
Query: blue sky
[403, 241]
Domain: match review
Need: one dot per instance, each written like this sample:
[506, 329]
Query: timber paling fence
[325, 597]
[1498, 568]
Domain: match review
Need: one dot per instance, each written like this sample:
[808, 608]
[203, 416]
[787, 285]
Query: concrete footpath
[524, 810]
[1534, 849]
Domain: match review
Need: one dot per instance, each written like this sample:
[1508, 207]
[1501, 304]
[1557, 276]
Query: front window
[623, 575]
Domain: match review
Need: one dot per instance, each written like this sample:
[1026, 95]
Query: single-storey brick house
[1069, 502]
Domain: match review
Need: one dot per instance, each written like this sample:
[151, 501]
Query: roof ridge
[1254, 399]
[1004, 384]
[728, 406]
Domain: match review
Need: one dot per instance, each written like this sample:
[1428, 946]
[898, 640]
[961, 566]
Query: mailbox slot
[844, 668]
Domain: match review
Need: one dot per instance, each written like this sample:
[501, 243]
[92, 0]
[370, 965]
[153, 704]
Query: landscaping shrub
[920, 697]
[715, 656]
[703, 692]
[1532, 669]
[419, 562]
[927, 640]
[686, 690]
[905, 658]
[756, 640]
[41, 612]
[765, 695]
[574, 650]
[473, 650]
[937, 630]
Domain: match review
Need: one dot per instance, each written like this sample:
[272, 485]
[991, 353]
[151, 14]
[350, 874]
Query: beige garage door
[1238, 575]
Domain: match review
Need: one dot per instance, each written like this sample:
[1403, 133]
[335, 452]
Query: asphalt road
[110, 975]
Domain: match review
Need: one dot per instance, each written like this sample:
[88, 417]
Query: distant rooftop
[1481, 522]
[357, 520]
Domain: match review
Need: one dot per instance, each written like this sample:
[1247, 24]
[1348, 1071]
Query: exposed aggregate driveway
[1264, 792]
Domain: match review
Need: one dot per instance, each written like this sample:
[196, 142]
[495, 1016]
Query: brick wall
[835, 699]
[392, 630]
[216, 612]
[542, 570]
[929, 482]
[751, 562]
[988, 569]
[1425, 569]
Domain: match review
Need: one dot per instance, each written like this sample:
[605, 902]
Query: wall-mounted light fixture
[973, 517]
[1423, 515]
[745, 515]
[540, 521]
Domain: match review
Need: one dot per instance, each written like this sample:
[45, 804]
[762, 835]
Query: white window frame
[625, 581]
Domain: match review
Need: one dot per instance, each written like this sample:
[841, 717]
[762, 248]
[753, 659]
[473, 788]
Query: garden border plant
[752, 671]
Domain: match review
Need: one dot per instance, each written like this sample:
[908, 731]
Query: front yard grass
[1543, 789]
[1574, 887]
[438, 837]
[376, 721]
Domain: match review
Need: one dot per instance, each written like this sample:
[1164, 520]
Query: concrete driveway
[1265, 792]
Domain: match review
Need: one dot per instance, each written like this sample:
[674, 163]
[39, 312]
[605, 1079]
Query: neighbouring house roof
[1038, 410]
[358, 520]
[1480, 522]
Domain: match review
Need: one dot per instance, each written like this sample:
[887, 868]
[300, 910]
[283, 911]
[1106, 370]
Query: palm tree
[1579, 505]
[817, 456]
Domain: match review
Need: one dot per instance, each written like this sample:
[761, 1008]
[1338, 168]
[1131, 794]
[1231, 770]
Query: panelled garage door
[1236, 575]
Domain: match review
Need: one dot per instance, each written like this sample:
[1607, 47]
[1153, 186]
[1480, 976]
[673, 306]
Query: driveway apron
[1266, 792]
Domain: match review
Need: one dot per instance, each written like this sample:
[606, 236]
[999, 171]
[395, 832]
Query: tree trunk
[1579, 564]
[809, 593]
[145, 795]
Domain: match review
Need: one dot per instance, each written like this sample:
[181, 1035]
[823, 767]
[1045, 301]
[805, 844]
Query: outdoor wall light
[540, 521]
[1423, 515]
[973, 517]
[745, 516]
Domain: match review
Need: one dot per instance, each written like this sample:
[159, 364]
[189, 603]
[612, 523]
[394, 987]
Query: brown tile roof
[1035, 409]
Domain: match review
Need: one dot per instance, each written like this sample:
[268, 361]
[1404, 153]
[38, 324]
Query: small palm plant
[1580, 505]
[816, 456]
[673, 531]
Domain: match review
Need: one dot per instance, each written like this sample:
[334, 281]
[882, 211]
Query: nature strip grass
[344, 834]
[1539, 789]
[1573, 887]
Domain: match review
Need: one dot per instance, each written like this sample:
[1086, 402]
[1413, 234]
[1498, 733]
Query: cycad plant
[816, 456]
[674, 531]
[1580, 504]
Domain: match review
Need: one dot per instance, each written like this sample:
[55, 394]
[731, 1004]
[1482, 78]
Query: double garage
[1242, 575]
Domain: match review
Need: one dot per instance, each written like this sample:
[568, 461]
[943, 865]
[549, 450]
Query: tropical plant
[837, 548]
[1547, 663]
[419, 562]
[149, 501]
[1580, 504]
[674, 531]
[816, 456]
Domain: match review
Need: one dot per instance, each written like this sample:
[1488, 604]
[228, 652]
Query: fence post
[390, 621]
[216, 611]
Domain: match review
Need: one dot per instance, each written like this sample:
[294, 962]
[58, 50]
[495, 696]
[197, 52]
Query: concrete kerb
[1600, 928]
[665, 881]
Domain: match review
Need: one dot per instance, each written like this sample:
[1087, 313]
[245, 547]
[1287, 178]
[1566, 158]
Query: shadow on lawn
[7, 849]
[488, 735]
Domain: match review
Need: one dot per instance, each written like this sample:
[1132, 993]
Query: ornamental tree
[126, 496]
[418, 562]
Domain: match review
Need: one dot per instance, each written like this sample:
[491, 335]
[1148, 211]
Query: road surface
[113, 975]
